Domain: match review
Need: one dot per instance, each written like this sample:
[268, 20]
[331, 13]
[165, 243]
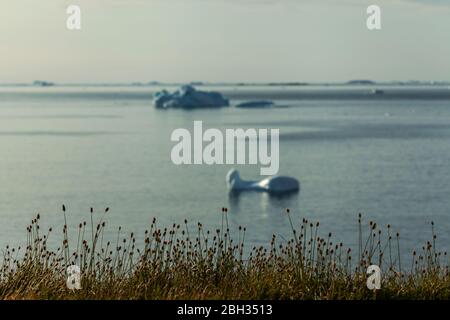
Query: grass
[179, 263]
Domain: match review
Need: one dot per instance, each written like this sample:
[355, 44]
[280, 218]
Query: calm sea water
[385, 156]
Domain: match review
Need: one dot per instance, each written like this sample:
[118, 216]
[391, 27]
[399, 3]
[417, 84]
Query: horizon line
[242, 83]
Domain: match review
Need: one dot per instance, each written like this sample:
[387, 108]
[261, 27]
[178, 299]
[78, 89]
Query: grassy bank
[183, 263]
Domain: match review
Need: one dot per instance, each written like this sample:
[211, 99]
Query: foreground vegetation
[179, 263]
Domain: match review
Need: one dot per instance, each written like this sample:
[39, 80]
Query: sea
[379, 151]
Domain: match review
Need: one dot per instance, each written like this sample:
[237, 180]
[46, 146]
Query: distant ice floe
[377, 91]
[256, 104]
[187, 97]
[41, 83]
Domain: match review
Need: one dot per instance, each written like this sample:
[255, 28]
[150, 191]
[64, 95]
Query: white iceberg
[187, 97]
[273, 185]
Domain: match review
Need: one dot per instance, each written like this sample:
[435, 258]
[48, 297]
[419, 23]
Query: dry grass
[178, 263]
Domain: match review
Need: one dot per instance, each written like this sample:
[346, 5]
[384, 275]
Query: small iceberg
[275, 184]
[187, 97]
[256, 104]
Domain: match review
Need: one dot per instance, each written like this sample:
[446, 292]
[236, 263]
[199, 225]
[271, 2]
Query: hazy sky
[224, 40]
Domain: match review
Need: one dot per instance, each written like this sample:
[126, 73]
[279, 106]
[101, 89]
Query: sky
[224, 41]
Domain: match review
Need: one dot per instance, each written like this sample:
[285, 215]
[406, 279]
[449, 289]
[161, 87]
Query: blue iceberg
[187, 97]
